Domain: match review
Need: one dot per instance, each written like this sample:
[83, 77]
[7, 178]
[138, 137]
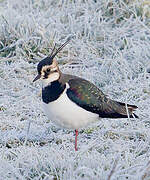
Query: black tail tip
[134, 116]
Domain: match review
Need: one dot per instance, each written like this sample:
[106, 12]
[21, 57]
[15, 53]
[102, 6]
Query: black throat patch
[52, 92]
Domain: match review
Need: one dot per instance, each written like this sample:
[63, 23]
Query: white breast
[67, 114]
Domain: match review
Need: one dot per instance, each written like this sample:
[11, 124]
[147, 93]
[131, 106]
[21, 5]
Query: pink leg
[76, 131]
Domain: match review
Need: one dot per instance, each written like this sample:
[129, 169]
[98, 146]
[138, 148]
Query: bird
[72, 102]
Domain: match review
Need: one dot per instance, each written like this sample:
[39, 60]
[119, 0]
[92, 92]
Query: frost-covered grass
[111, 48]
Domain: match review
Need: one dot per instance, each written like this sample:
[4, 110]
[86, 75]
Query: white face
[50, 73]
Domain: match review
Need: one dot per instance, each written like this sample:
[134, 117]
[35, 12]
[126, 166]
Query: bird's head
[48, 69]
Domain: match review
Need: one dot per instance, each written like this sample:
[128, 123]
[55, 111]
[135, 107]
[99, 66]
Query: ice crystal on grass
[111, 48]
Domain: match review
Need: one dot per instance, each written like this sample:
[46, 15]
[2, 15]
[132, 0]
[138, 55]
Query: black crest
[49, 60]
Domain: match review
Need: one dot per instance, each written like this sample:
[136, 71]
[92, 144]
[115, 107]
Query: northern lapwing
[73, 102]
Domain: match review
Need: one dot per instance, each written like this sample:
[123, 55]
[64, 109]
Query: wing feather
[88, 96]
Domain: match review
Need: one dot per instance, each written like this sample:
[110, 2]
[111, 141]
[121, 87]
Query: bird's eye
[48, 70]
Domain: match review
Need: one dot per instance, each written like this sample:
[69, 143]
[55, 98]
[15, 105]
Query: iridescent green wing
[88, 96]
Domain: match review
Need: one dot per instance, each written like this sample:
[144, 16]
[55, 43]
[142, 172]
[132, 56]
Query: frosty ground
[111, 48]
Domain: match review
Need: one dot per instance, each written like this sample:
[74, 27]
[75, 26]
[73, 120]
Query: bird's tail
[117, 109]
[129, 111]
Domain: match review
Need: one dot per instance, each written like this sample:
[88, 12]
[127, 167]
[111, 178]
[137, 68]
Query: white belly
[67, 114]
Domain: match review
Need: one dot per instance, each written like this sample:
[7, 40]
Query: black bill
[37, 77]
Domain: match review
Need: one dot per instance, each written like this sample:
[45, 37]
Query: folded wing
[88, 96]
